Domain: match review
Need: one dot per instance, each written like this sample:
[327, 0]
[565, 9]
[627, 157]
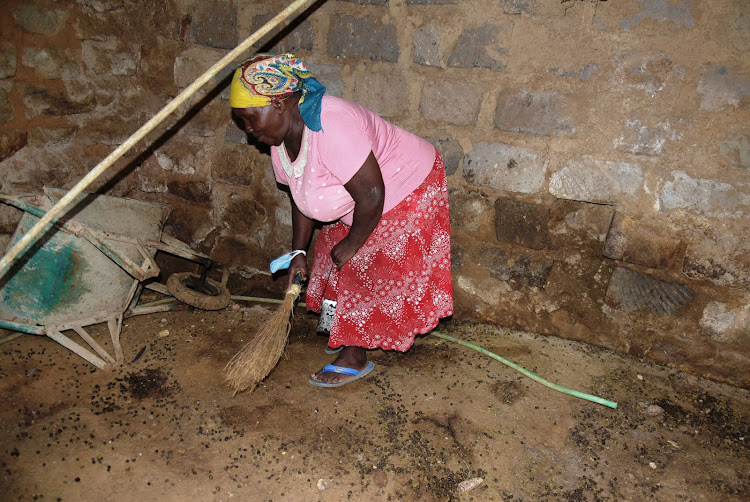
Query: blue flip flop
[329, 350]
[356, 374]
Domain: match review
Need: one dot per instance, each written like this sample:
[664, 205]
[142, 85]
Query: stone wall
[598, 151]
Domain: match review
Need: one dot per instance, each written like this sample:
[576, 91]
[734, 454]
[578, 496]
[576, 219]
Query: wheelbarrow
[91, 267]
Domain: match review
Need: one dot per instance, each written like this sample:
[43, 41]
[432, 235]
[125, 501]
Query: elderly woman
[383, 253]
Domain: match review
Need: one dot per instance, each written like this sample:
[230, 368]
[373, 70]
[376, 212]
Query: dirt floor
[167, 428]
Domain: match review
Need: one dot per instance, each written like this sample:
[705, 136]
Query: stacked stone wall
[597, 151]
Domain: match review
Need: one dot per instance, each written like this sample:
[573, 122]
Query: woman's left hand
[343, 252]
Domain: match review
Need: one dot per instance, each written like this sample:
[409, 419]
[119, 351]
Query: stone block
[594, 180]
[53, 102]
[584, 73]
[239, 165]
[589, 221]
[518, 6]
[157, 65]
[722, 258]
[481, 47]
[648, 243]
[53, 138]
[468, 209]
[245, 214]
[708, 197]
[242, 254]
[179, 160]
[737, 148]
[536, 8]
[193, 62]
[104, 57]
[632, 291]
[248, 213]
[190, 190]
[214, 24]
[521, 224]
[721, 86]
[49, 63]
[102, 6]
[6, 108]
[456, 103]
[639, 139]
[362, 38]
[189, 222]
[38, 19]
[518, 270]
[427, 46]
[504, 167]
[676, 14]
[329, 76]
[8, 56]
[727, 324]
[299, 36]
[233, 133]
[451, 151]
[11, 140]
[534, 113]
[651, 73]
[384, 93]
[431, 2]
[9, 218]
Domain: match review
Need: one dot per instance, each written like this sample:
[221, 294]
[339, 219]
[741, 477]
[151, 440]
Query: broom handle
[61, 204]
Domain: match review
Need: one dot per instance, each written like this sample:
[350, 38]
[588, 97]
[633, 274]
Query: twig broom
[258, 358]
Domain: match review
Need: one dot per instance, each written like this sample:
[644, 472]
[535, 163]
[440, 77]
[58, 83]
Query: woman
[383, 253]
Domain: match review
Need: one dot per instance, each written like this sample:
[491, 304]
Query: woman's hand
[298, 265]
[343, 252]
[368, 191]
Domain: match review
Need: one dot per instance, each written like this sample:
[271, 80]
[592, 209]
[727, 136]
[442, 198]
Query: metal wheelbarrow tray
[87, 269]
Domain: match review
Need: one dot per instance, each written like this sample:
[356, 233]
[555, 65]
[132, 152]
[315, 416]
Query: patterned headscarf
[268, 78]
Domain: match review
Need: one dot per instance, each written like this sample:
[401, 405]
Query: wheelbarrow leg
[98, 348]
[115, 327]
[66, 342]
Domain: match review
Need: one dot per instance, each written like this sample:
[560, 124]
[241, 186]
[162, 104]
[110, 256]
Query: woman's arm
[368, 191]
[302, 230]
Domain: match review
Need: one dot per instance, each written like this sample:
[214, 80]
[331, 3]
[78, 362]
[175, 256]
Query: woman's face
[265, 123]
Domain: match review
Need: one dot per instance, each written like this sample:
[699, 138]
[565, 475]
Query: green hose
[242, 298]
[484, 351]
[526, 372]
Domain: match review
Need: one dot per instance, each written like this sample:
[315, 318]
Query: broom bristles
[259, 356]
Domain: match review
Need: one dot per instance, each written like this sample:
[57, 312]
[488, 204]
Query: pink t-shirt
[337, 152]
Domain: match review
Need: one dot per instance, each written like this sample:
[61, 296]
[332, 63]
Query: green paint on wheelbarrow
[48, 280]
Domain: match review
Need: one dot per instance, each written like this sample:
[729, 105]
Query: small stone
[322, 484]
[654, 410]
[652, 465]
[469, 484]
[380, 478]
[163, 333]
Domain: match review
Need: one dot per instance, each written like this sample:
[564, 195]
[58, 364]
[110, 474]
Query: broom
[258, 358]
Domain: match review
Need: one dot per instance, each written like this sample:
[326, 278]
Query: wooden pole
[62, 204]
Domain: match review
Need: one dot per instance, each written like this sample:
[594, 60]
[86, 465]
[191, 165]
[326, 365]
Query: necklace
[300, 162]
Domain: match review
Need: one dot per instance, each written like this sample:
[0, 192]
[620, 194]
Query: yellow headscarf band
[266, 78]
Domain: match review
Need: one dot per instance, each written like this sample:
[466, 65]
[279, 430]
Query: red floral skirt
[398, 285]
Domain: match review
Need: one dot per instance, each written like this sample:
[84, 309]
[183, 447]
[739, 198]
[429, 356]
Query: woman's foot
[349, 357]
